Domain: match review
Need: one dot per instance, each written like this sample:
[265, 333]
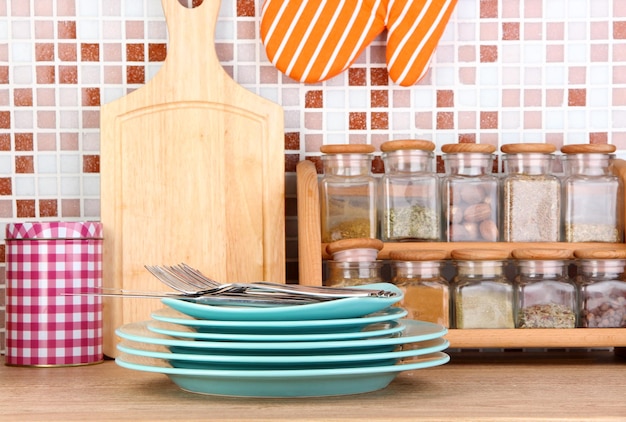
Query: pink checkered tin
[45, 263]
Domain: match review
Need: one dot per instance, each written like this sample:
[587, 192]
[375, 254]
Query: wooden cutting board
[191, 171]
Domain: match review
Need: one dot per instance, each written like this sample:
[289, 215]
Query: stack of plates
[343, 346]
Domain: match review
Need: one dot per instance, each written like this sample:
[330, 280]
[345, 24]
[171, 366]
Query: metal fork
[185, 279]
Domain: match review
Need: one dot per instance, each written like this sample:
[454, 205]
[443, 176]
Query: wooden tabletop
[473, 386]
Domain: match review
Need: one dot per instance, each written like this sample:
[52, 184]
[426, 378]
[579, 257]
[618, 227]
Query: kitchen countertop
[553, 385]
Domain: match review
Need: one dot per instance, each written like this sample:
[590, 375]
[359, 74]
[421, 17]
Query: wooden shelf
[311, 253]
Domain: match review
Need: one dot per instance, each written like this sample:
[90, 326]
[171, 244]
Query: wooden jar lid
[600, 253]
[401, 144]
[342, 245]
[468, 147]
[479, 254]
[541, 253]
[528, 147]
[588, 149]
[418, 255]
[347, 149]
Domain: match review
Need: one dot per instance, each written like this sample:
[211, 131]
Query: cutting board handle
[191, 32]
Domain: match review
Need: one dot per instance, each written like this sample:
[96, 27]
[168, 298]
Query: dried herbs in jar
[546, 297]
[409, 192]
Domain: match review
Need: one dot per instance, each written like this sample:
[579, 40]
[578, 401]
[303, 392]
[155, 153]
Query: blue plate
[282, 327]
[415, 331]
[271, 362]
[182, 331]
[281, 383]
[333, 309]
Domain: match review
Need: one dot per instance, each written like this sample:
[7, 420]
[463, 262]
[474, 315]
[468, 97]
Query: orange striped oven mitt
[314, 40]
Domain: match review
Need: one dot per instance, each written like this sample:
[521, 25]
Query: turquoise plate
[282, 327]
[182, 331]
[415, 331]
[333, 309]
[281, 383]
[271, 362]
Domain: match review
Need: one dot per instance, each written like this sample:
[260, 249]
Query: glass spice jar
[592, 195]
[348, 193]
[470, 193]
[354, 262]
[602, 283]
[531, 194]
[426, 292]
[409, 192]
[482, 294]
[545, 296]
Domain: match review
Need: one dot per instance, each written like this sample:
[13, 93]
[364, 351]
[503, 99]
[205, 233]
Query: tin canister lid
[54, 230]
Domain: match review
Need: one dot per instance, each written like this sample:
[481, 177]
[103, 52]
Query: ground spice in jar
[531, 209]
[484, 308]
[350, 229]
[425, 302]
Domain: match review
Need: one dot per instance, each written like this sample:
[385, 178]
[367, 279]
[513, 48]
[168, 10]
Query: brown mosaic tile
[44, 52]
[89, 52]
[488, 53]
[510, 31]
[91, 164]
[380, 120]
[379, 76]
[292, 140]
[314, 99]
[379, 99]
[291, 161]
[5, 142]
[576, 97]
[135, 75]
[45, 74]
[619, 30]
[6, 188]
[488, 9]
[445, 120]
[67, 52]
[23, 97]
[68, 74]
[245, 8]
[378, 165]
[24, 164]
[445, 98]
[157, 52]
[91, 96]
[5, 120]
[357, 76]
[25, 208]
[358, 121]
[48, 208]
[488, 119]
[4, 74]
[135, 53]
[24, 141]
[598, 138]
[318, 164]
[3, 254]
[66, 30]
[467, 138]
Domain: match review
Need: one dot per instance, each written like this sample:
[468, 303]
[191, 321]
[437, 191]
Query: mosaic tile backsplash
[505, 71]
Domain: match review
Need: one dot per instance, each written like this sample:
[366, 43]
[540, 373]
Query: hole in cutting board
[190, 4]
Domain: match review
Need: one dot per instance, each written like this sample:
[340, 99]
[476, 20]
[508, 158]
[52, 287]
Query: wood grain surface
[192, 170]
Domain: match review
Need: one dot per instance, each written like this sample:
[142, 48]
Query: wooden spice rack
[311, 253]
